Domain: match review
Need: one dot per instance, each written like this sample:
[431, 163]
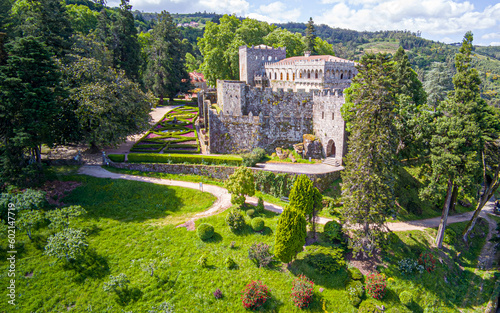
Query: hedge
[117, 157]
[181, 158]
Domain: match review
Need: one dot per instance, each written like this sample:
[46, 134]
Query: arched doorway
[330, 148]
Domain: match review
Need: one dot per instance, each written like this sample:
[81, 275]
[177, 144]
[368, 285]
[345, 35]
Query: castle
[276, 102]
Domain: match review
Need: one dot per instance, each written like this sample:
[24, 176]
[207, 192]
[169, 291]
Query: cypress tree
[290, 235]
[310, 38]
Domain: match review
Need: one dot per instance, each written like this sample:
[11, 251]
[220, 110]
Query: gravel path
[224, 201]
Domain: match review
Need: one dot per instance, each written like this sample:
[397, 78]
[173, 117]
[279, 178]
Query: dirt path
[224, 201]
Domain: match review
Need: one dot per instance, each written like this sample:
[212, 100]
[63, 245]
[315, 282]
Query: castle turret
[252, 60]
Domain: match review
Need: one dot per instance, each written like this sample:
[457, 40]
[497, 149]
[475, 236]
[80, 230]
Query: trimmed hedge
[258, 224]
[117, 157]
[205, 231]
[182, 158]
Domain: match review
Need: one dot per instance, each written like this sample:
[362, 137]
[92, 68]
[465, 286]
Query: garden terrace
[174, 133]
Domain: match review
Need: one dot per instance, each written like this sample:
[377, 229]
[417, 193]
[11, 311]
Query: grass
[126, 228]
[382, 47]
[298, 158]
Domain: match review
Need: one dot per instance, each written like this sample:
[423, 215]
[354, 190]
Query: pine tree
[290, 235]
[368, 178]
[310, 38]
[437, 83]
[124, 45]
[457, 139]
[166, 72]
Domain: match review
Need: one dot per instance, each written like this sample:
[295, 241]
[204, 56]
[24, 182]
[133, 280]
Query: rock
[292, 158]
[299, 148]
[312, 147]
[282, 154]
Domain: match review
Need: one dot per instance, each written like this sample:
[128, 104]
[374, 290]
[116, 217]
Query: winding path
[224, 201]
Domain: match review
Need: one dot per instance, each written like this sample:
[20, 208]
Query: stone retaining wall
[322, 181]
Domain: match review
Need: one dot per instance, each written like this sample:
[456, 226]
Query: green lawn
[130, 223]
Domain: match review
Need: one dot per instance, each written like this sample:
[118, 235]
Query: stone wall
[240, 134]
[321, 181]
[329, 126]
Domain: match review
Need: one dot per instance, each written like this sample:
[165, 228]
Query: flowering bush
[302, 292]
[255, 295]
[217, 294]
[375, 285]
[408, 266]
[426, 259]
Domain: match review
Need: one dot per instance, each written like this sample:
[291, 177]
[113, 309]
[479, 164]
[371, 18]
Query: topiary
[369, 306]
[235, 220]
[406, 297]
[333, 231]
[355, 291]
[229, 263]
[355, 273]
[251, 213]
[258, 224]
[205, 231]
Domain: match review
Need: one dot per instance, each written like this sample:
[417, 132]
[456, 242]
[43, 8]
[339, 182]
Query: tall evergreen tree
[46, 20]
[29, 107]
[124, 44]
[166, 73]
[290, 235]
[368, 178]
[306, 199]
[310, 38]
[437, 83]
[457, 140]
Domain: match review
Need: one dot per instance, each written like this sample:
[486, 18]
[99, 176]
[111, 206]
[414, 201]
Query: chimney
[307, 54]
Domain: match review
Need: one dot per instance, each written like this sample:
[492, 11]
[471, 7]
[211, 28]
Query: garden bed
[175, 133]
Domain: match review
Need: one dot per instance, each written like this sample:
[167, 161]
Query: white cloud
[434, 17]
[491, 36]
[275, 12]
[225, 6]
[495, 43]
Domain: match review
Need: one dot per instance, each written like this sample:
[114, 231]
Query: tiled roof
[329, 58]
[196, 77]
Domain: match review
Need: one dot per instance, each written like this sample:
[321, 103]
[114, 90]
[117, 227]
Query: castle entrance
[330, 148]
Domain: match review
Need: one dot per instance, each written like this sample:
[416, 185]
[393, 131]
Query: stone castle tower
[252, 60]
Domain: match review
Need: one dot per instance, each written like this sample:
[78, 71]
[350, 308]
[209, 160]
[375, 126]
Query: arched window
[293, 76]
[269, 58]
[333, 116]
[342, 76]
[275, 76]
[308, 74]
[287, 77]
[281, 76]
[316, 74]
[323, 115]
[300, 74]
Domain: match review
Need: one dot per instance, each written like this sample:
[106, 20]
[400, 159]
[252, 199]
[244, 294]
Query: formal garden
[128, 255]
[174, 133]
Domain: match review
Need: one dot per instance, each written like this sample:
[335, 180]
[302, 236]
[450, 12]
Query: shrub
[355, 291]
[181, 158]
[260, 205]
[117, 283]
[449, 236]
[259, 254]
[251, 213]
[333, 231]
[426, 259]
[258, 224]
[302, 292]
[355, 273]
[326, 260]
[240, 184]
[229, 263]
[398, 309]
[375, 285]
[70, 244]
[369, 307]
[217, 294]
[408, 266]
[255, 295]
[117, 157]
[406, 297]
[235, 220]
[202, 261]
[205, 231]
[250, 159]
[290, 235]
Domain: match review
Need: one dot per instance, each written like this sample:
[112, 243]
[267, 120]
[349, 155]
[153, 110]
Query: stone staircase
[332, 161]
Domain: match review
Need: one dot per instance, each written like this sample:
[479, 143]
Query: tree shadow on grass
[126, 296]
[91, 265]
[216, 238]
[336, 280]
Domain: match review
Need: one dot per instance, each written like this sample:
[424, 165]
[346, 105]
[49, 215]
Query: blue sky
[440, 20]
